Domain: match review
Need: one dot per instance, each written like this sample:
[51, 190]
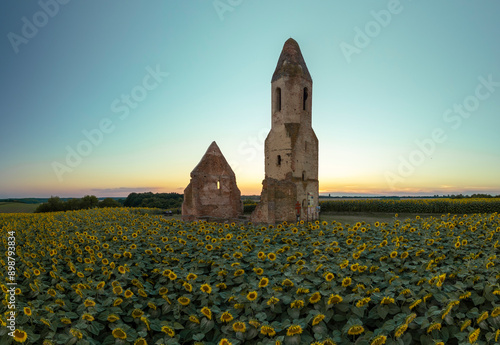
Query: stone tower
[212, 191]
[291, 147]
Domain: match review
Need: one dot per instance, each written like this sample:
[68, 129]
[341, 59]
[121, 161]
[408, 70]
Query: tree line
[171, 201]
[157, 200]
[55, 204]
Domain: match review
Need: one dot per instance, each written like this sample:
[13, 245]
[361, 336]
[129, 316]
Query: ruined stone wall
[277, 202]
[212, 191]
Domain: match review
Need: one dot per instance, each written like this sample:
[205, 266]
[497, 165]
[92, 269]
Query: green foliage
[55, 204]
[109, 202]
[248, 208]
[157, 200]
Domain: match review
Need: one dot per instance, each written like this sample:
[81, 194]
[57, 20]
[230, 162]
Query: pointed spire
[213, 149]
[213, 162]
[291, 62]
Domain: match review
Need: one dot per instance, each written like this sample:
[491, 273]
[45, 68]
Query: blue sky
[406, 94]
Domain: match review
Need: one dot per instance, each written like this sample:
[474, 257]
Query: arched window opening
[218, 184]
[279, 160]
[303, 175]
[304, 98]
[277, 99]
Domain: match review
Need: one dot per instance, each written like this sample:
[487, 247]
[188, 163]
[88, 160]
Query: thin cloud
[125, 190]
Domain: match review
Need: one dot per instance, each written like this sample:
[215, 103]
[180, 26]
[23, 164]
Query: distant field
[368, 217]
[17, 207]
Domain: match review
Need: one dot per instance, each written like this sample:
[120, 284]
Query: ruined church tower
[290, 187]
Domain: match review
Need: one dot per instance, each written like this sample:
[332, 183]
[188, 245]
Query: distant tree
[158, 200]
[481, 196]
[132, 200]
[73, 205]
[53, 204]
[89, 201]
[109, 202]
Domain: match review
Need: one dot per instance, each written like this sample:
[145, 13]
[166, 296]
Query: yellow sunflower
[183, 300]
[355, 330]
[141, 341]
[119, 333]
[251, 296]
[76, 333]
[267, 330]
[136, 313]
[89, 303]
[263, 282]
[169, 331]
[117, 302]
[239, 327]
[226, 317]
[113, 318]
[315, 297]
[20, 336]
[293, 330]
[87, 317]
[346, 282]
[206, 288]
[317, 319]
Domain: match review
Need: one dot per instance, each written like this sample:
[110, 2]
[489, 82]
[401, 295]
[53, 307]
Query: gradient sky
[379, 87]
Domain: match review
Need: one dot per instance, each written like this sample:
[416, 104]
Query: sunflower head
[251, 296]
[137, 313]
[355, 330]
[317, 319]
[315, 297]
[206, 288]
[89, 303]
[20, 336]
[117, 290]
[183, 300]
[226, 317]
[263, 282]
[113, 318]
[239, 327]
[293, 330]
[119, 333]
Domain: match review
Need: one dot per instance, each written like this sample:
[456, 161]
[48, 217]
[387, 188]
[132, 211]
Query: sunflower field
[438, 205]
[123, 276]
